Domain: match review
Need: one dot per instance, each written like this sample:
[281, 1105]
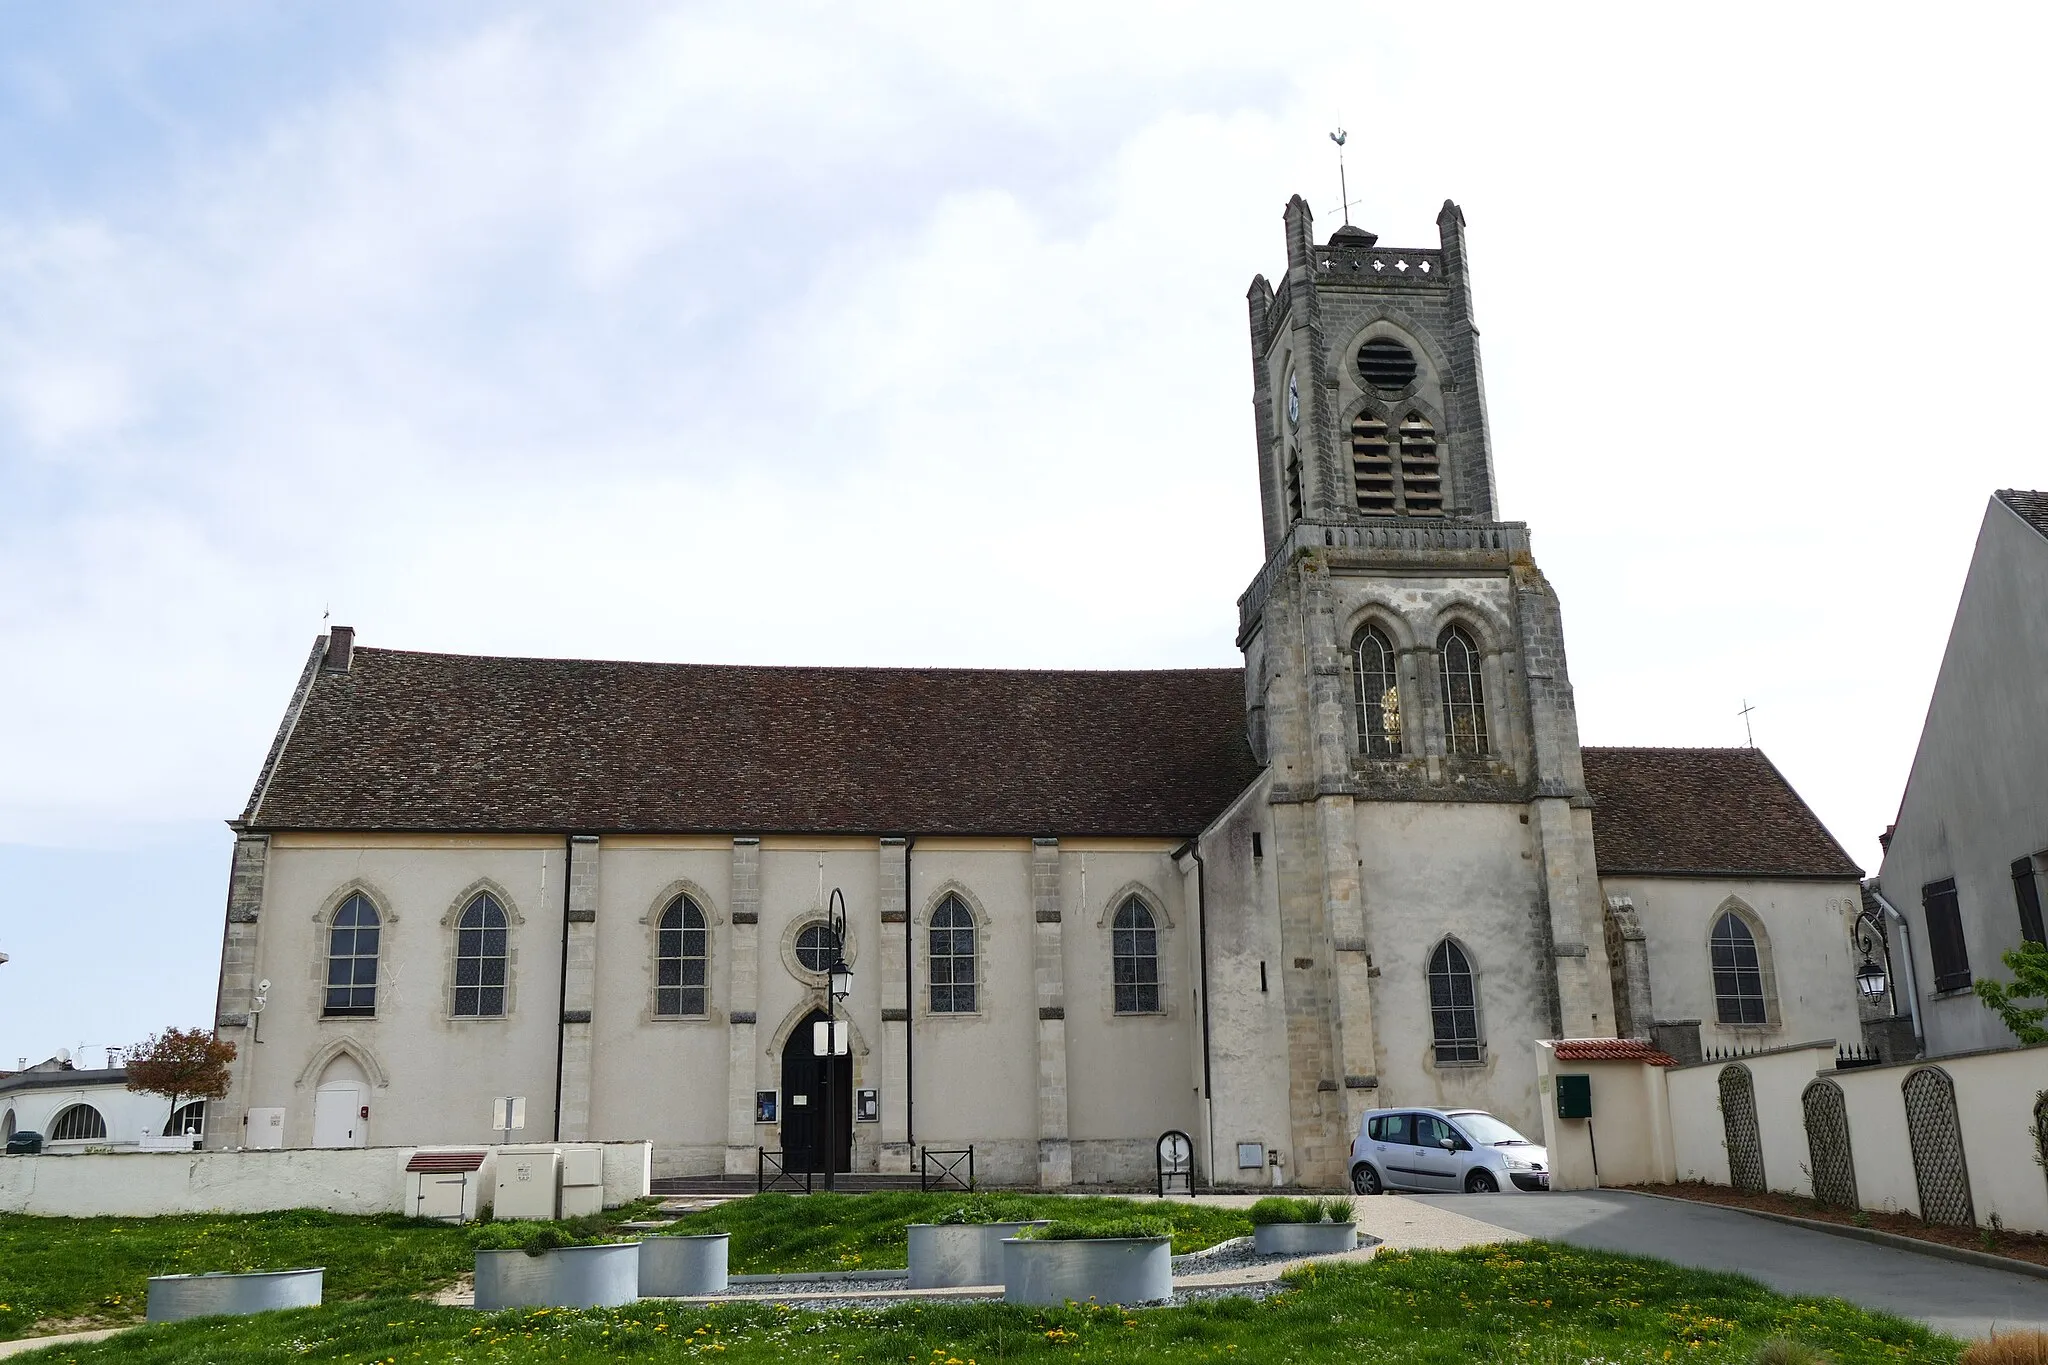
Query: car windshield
[1488, 1131]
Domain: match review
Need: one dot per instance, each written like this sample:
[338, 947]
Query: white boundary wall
[1657, 1124]
[338, 1179]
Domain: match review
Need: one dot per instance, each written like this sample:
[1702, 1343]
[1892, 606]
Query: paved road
[1963, 1300]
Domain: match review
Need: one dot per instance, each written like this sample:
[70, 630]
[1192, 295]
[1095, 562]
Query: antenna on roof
[1747, 733]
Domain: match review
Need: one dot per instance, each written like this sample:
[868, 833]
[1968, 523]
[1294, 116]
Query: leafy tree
[2029, 966]
[180, 1064]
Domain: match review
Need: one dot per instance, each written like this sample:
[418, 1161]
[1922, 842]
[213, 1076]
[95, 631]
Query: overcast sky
[916, 335]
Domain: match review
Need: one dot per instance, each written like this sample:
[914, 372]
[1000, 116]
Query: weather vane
[1343, 189]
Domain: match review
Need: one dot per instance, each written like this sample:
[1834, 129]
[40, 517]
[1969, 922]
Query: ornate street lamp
[1867, 936]
[1870, 979]
[838, 985]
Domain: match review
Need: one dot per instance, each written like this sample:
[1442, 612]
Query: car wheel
[1481, 1182]
[1366, 1180]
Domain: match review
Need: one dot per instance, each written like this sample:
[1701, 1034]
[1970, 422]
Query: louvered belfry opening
[1422, 480]
[1386, 364]
[1372, 467]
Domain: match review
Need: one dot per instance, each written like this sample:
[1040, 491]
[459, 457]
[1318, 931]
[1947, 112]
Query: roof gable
[1704, 812]
[446, 742]
[2030, 505]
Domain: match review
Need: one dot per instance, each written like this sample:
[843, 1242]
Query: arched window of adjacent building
[188, 1120]
[79, 1123]
[1464, 692]
[1379, 694]
[352, 958]
[7, 1126]
[1134, 958]
[480, 958]
[1453, 1007]
[681, 960]
[952, 958]
[1738, 972]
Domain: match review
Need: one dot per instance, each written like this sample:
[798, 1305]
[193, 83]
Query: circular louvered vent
[1385, 363]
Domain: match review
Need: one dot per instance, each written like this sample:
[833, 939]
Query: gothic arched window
[1464, 693]
[352, 958]
[1379, 695]
[1422, 480]
[1134, 959]
[681, 955]
[1738, 973]
[952, 958]
[1453, 1006]
[79, 1123]
[480, 958]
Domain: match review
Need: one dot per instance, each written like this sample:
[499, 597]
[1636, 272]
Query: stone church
[1080, 909]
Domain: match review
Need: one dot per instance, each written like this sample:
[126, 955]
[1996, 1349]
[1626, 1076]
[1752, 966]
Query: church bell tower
[1431, 852]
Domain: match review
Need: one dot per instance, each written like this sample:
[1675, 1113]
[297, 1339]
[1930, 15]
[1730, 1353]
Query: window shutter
[1945, 936]
[2026, 890]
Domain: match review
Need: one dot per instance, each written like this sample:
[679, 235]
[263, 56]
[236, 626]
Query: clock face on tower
[1293, 401]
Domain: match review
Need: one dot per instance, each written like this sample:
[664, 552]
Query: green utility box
[1575, 1097]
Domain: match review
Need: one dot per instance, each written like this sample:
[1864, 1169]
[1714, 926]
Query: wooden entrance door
[808, 1131]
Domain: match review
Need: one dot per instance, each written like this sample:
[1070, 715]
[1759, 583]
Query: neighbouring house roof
[1707, 813]
[448, 742]
[2031, 505]
[1611, 1050]
[62, 1080]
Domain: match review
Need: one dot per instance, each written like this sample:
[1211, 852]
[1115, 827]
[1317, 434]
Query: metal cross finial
[1343, 189]
[1749, 734]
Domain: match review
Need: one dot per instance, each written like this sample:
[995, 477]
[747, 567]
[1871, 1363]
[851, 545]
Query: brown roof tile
[1611, 1050]
[409, 741]
[1705, 812]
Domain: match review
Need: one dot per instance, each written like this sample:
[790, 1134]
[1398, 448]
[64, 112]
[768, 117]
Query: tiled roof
[1611, 1050]
[1704, 812]
[2031, 505]
[446, 742]
[64, 1080]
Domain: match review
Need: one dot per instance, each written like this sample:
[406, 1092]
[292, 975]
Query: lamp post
[838, 985]
[1868, 937]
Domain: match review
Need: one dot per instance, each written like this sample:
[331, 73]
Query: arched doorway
[808, 1131]
[341, 1105]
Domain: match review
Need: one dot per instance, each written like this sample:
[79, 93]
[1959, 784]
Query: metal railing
[939, 1169]
[771, 1172]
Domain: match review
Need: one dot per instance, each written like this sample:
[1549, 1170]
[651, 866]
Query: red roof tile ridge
[1611, 1050]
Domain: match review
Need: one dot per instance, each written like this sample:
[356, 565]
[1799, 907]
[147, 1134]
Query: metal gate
[1937, 1140]
[1738, 1122]
[1827, 1141]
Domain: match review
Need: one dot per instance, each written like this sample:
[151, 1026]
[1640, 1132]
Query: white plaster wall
[129, 1115]
[1810, 955]
[1698, 1148]
[1628, 1141]
[663, 1079]
[442, 1073]
[1438, 868]
[361, 1180]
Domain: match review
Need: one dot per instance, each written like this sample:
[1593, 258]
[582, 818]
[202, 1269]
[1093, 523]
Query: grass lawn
[1527, 1302]
[791, 1232]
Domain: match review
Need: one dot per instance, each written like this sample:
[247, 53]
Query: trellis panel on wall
[1739, 1125]
[1937, 1138]
[1827, 1141]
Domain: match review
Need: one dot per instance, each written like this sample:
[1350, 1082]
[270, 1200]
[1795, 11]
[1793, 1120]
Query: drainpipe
[1912, 980]
[909, 1010]
[1193, 848]
[562, 997]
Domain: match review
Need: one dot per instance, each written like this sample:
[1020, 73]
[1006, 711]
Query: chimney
[341, 647]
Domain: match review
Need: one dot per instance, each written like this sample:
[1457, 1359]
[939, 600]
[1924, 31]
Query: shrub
[1063, 1231]
[985, 1209]
[1280, 1209]
[1782, 1352]
[2009, 1348]
[534, 1237]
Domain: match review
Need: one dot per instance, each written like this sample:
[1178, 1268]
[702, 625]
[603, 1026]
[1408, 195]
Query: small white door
[337, 1117]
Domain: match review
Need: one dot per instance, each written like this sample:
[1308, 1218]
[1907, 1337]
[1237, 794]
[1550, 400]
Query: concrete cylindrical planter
[1304, 1239]
[566, 1277]
[1124, 1270]
[949, 1255]
[173, 1298]
[677, 1267]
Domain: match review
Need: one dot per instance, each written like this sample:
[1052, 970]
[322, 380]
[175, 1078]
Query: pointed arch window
[1738, 973]
[1379, 694]
[1454, 1007]
[952, 958]
[352, 958]
[682, 951]
[1134, 958]
[79, 1123]
[1464, 693]
[480, 958]
[1290, 474]
[1422, 479]
[1395, 470]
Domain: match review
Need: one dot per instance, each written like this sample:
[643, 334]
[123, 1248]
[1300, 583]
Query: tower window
[1422, 482]
[1379, 695]
[1291, 472]
[1386, 364]
[1372, 467]
[1396, 473]
[1464, 693]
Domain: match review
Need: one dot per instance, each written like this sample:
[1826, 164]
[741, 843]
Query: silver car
[1444, 1150]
